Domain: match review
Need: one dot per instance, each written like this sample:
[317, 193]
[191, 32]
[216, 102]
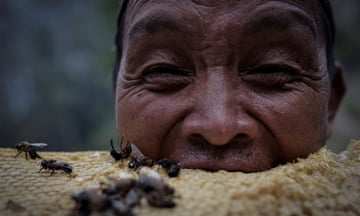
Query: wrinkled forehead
[154, 14]
[143, 4]
[167, 12]
[136, 8]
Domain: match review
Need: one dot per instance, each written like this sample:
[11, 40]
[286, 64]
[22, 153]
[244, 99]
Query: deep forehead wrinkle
[267, 17]
[154, 23]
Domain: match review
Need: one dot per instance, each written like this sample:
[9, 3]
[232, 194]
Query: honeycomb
[325, 183]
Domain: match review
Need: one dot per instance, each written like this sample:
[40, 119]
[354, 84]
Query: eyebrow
[153, 24]
[280, 22]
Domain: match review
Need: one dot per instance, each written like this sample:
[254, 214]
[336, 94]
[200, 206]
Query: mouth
[228, 165]
[228, 158]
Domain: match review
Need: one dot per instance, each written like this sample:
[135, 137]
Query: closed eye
[166, 78]
[271, 77]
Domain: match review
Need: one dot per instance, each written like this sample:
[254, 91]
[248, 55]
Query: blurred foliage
[56, 62]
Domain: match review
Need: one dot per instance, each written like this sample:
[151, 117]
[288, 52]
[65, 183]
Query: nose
[219, 118]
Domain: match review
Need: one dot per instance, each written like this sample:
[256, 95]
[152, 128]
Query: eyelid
[273, 68]
[167, 69]
[273, 76]
[166, 78]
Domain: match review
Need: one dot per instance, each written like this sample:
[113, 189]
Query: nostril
[198, 139]
[220, 129]
[240, 138]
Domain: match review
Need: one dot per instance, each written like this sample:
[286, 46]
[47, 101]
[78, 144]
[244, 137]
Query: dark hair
[118, 40]
[328, 20]
[329, 26]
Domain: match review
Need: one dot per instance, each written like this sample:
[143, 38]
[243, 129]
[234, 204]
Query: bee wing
[65, 166]
[38, 145]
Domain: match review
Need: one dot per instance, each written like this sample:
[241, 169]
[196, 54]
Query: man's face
[241, 85]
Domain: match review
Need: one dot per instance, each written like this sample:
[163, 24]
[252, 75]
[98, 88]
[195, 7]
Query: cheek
[145, 119]
[297, 121]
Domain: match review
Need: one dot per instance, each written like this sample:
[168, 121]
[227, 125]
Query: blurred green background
[56, 61]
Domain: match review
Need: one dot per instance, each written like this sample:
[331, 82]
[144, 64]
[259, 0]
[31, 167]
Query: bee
[172, 168]
[29, 148]
[138, 159]
[120, 196]
[55, 165]
[89, 200]
[123, 153]
[123, 190]
[120, 187]
[155, 190]
[120, 208]
[94, 200]
[133, 164]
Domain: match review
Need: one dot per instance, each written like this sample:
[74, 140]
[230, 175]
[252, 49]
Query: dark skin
[235, 85]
